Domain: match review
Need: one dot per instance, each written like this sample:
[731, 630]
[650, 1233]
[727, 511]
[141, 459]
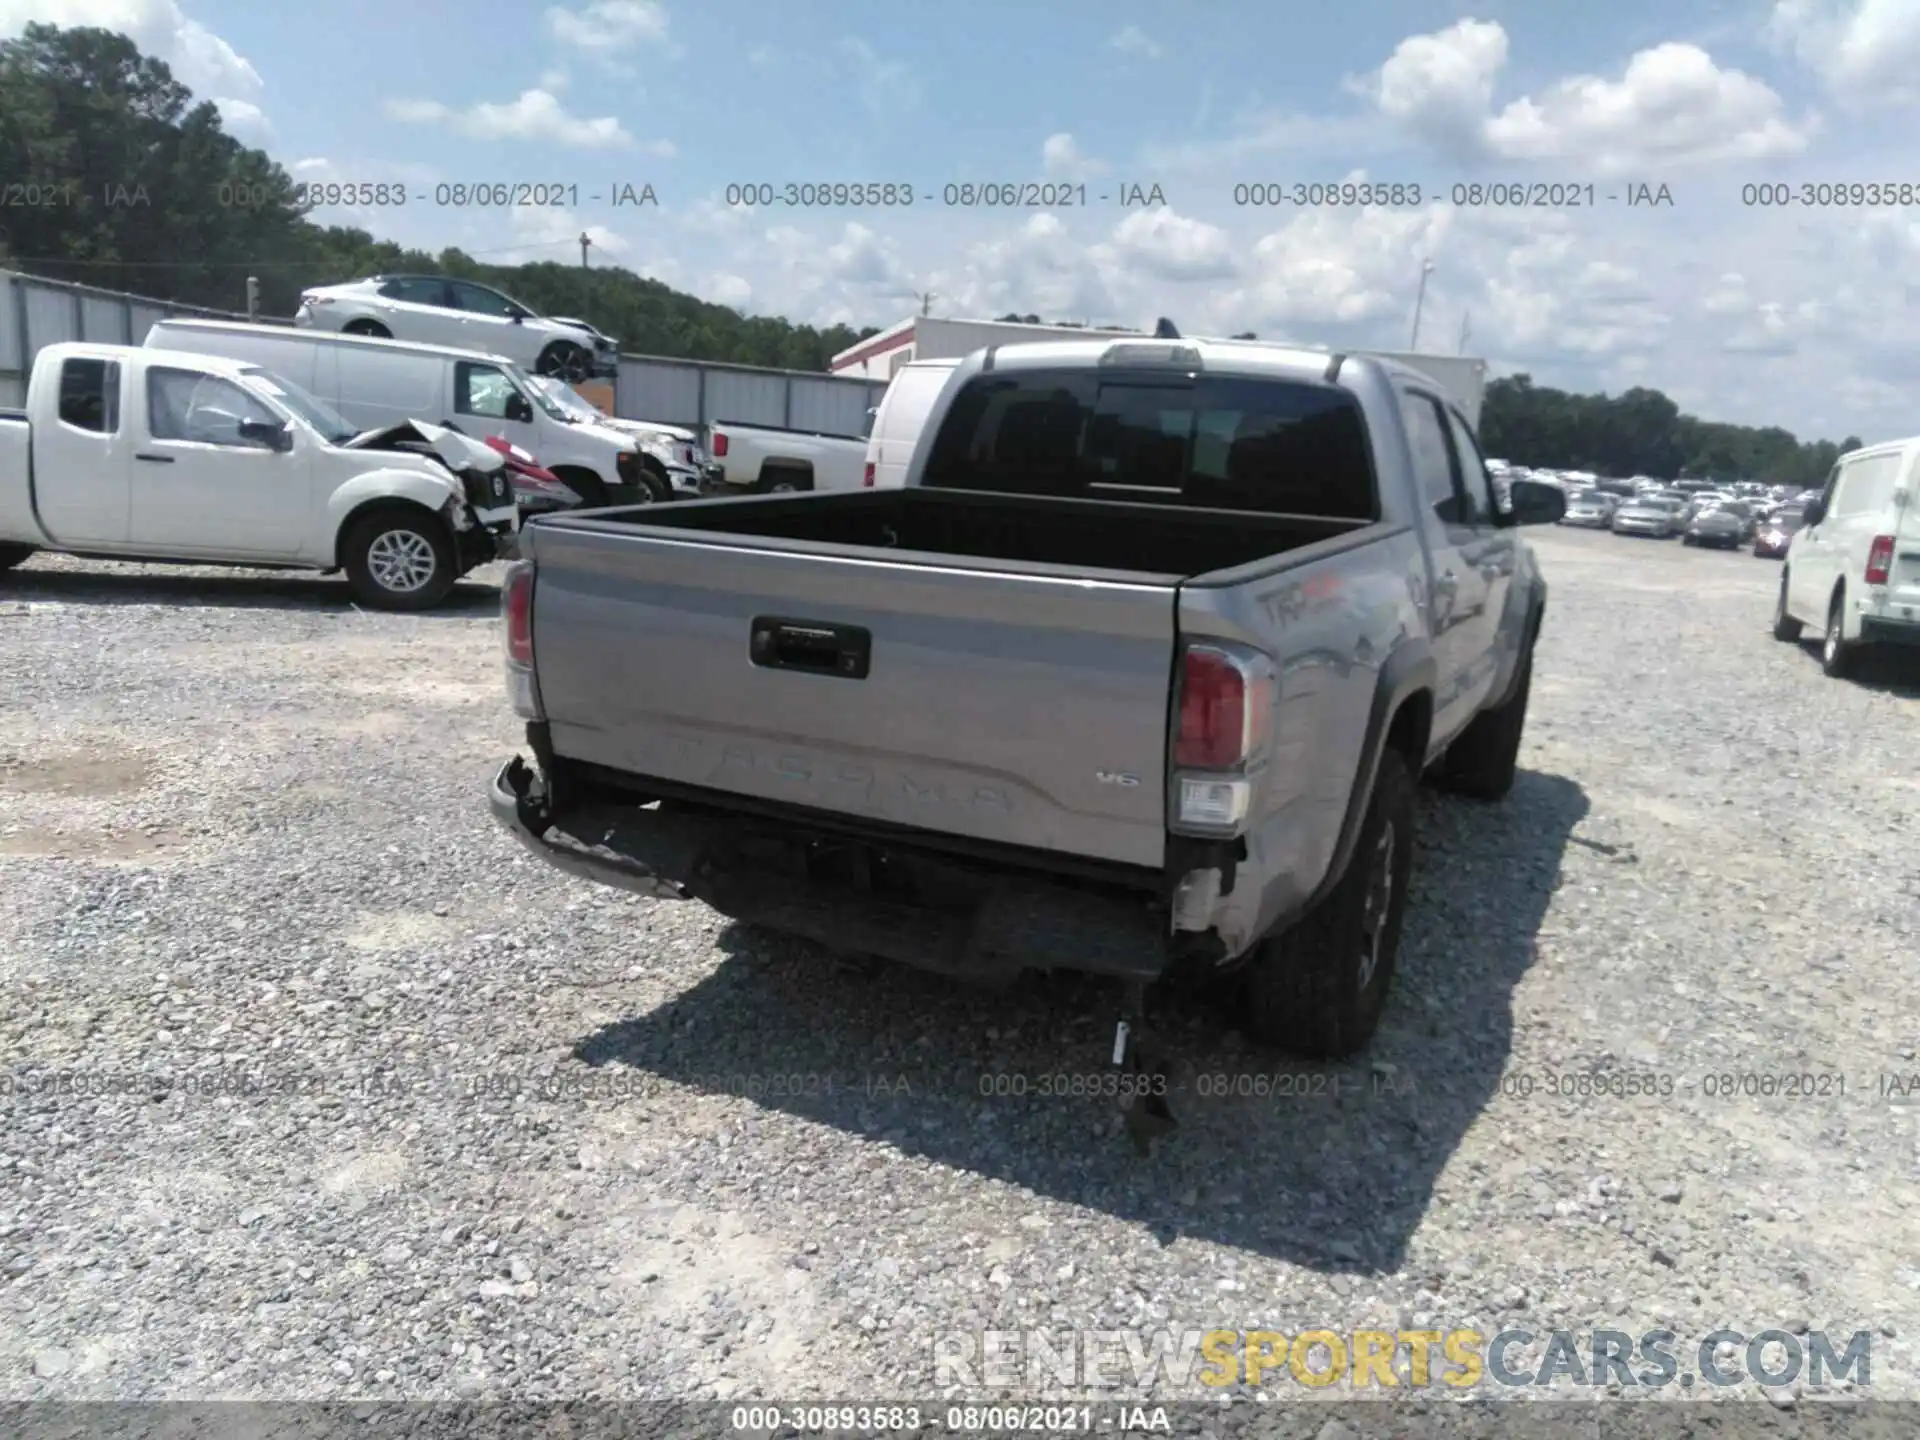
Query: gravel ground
[499, 1151]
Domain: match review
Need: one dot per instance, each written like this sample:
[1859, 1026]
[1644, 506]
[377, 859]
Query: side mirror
[1534, 502]
[271, 433]
[1815, 512]
[517, 316]
[519, 409]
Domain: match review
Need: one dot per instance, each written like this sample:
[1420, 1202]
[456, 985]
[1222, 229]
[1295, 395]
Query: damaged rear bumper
[988, 924]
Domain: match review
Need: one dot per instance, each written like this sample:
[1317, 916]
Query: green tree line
[1641, 432]
[136, 186]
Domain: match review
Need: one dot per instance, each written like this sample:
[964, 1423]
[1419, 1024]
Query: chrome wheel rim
[782, 487]
[1374, 908]
[401, 561]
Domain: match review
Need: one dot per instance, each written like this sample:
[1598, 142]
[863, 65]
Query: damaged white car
[125, 452]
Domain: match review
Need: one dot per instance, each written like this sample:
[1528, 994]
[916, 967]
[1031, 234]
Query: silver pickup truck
[1136, 674]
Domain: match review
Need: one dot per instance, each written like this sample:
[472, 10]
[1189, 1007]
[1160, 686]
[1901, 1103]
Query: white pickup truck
[676, 450]
[763, 459]
[130, 453]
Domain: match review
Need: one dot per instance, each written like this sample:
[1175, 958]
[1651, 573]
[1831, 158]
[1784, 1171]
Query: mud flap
[1144, 1078]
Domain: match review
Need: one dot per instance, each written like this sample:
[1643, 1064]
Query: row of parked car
[1717, 518]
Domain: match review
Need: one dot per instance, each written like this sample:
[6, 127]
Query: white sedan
[439, 310]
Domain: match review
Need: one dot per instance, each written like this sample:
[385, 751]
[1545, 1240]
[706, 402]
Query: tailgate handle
[811, 645]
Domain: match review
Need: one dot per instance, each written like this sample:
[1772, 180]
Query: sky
[1173, 137]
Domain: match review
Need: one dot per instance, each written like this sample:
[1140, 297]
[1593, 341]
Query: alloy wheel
[401, 561]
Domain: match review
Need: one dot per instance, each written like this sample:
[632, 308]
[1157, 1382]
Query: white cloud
[860, 257]
[728, 289]
[1133, 41]
[1061, 158]
[887, 87]
[1171, 247]
[761, 57]
[541, 233]
[243, 119]
[609, 25]
[536, 115]
[1671, 105]
[554, 81]
[199, 59]
[1867, 51]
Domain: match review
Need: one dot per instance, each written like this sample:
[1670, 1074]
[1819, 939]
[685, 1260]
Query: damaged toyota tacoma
[1135, 676]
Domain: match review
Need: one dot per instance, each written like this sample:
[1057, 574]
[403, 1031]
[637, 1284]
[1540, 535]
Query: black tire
[566, 361]
[656, 488]
[779, 480]
[12, 555]
[1837, 656]
[588, 486]
[385, 543]
[1785, 627]
[1482, 762]
[1686, 539]
[370, 328]
[1318, 988]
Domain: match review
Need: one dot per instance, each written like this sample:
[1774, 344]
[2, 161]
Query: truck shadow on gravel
[1327, 1166]
[246, 590]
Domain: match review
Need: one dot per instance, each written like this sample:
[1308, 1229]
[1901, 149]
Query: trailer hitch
[1145, 1080]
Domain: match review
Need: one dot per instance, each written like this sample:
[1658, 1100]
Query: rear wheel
[566, 360]
[399, 559]
[778, 480]
[1785, 627]
[1318, 989]
[1837, 654]
[12, 555]
[372, 328]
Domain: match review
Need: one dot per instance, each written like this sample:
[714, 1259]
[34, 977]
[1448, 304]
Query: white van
[375, 383]
[1853, 568]
[900, 417]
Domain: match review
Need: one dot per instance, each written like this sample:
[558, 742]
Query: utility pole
[1420, 299]
[1466, 328]
[253, 297]
[926, 302]
[585, 241]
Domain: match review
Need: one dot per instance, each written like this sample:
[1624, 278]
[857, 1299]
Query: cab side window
[90, 395]
[1481, 496]
[202, 409]
[1435, 467]
[481, 390]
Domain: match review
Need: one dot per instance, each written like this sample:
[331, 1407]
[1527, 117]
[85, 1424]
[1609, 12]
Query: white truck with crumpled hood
[130, 453]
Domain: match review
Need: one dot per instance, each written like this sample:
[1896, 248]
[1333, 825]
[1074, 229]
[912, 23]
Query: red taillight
[1223, 711]
[516, 604]
[1880, 560]
[867, 479]
[720, 444]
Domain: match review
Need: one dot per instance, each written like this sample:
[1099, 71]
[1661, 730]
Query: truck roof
[1240, 357]
[101, 350]
[327, 337]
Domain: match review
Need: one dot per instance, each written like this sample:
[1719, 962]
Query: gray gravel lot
[500, 1150]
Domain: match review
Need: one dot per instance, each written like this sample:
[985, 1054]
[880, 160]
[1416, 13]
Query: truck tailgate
[997, 705]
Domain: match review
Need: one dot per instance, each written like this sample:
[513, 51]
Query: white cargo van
[1853, 568]
[900, 417]
[376, 383]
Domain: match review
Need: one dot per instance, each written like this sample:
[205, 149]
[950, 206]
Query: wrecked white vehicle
[130, 453]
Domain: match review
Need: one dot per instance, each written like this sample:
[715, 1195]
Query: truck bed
[1158, 541]
[991, 667]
